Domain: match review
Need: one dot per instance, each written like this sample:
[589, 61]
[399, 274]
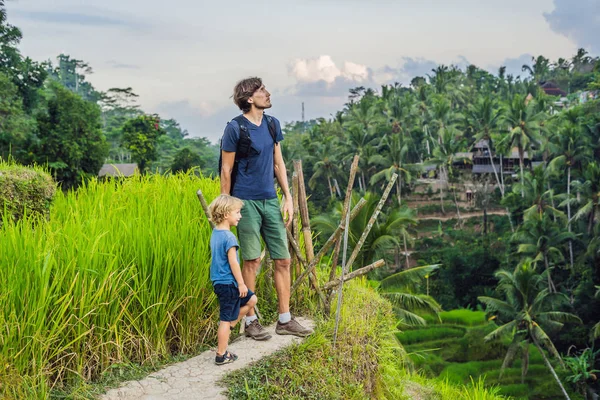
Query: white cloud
[323, 68]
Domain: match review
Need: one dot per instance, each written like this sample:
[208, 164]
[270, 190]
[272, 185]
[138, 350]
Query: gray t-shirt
[254, 179]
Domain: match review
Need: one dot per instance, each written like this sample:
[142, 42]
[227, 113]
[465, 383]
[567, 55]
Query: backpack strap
[244, 142]
[272, 127]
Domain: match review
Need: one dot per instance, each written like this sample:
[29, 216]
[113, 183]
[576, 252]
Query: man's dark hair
[243, 90]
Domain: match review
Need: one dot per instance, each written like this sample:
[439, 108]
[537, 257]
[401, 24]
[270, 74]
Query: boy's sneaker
[226, 358]
[292, 327]
[256, 331]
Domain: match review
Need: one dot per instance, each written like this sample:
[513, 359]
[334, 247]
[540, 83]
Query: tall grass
[118, 273]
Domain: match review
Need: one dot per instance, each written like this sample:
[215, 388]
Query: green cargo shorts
[262, 218]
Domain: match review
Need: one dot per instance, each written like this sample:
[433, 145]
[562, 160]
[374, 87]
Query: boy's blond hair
[223, 205]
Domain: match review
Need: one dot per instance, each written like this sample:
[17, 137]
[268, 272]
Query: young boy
[235, 299]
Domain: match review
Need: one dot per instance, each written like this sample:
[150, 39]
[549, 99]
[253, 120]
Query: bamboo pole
[366, 232]
[304, 217]
[354, 274]
[313, 279]
[295, 222]
[345, 265]
[345, 210]
[302, 204]
[205, 208]
[332, 239]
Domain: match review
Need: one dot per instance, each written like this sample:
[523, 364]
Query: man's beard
[265, 107]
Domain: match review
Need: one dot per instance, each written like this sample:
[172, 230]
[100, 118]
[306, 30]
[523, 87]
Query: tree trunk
[551, 287]
[456, 204]
[500, 185]
[569, 213]
[337, 187]
[522, 166]
[550, 368]
[525, 362]
[485, 218]
[551, 200]
[442, 190]
[501, 170]
[406, 251]
[399, 189]
[330, 187]
[362, 175]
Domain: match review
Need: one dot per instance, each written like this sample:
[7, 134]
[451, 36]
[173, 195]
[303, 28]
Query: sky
[183, 57]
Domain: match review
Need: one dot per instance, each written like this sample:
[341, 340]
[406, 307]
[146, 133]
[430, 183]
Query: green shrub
[429, 334]
[24, 190]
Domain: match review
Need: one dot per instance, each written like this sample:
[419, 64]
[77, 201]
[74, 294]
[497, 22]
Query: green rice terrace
[452, 347]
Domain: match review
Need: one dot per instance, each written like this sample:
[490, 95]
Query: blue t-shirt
[254, 179]
[221, 241]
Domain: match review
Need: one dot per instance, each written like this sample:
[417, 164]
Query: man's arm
[227, 160]
[281, 175]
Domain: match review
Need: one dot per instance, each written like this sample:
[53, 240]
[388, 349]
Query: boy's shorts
[230, 301]
[262, 218]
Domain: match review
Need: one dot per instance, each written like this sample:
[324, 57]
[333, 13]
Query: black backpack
[244, 144]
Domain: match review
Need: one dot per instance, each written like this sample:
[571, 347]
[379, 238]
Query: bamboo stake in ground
[304, 217]
[313, 280]
[205, 208]
[332, 239]
[345, 210]
[346, 266]
[295, 222]
[303, 205]
[364, 235]
[354, 274]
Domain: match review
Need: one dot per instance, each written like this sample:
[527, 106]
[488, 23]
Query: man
[253, 168]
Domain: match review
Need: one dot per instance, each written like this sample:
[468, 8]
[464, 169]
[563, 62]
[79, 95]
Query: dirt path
[196, 378]
[463, 215]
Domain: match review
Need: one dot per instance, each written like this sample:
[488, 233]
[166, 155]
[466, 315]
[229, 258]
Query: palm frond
[501, 331]
[408, 278]
[412, 302]
[409, 318]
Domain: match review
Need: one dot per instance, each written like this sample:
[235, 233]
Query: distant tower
[302, 112]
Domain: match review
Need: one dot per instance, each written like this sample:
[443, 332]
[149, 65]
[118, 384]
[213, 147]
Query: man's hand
[288, 210]
[243, 290]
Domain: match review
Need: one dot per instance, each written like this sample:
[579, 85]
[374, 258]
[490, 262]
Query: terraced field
[453, 349]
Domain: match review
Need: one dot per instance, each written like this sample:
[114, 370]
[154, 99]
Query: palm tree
[524, 124]
[327, 165]
[540, 69]
[572, 151]
[527, 311]
[589, 193]
[541, 238]
[400, 289]
[358, 141]
[391, 156]
[484, 118]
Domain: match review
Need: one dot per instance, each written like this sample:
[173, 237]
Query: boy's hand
[243, 290]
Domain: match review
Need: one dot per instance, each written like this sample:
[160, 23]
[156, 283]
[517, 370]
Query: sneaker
[226, 358]
[292, 327]
[256, 331]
